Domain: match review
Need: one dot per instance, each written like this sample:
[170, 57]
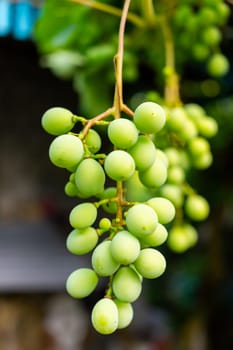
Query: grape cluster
[123, 241]
[201, 23]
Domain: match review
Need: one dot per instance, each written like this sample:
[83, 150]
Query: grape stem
[112, 10]
[93, 121]
[149, 12]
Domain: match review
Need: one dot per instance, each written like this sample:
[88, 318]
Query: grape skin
[104, 316]
[119, 165]
[125, 248]
[102, 260]
[66, 151]
[57, 121]
[90, 178]
[125, 313]
[126, 284]
[82, 241]
[197, 207]
[155, 175]
[144, 146]
[122, 133]
[164, 209]
[150, 263]
[182, 238]
[81, 282]
[158, 237]
[149, 117]
[93, 141]
[141, 220]
[83, 215]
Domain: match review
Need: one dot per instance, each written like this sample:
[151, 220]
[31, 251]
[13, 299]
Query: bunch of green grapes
[201, 23]
[185, 142]
[123, 243]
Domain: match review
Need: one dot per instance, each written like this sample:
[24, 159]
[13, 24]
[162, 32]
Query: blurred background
[191, 306]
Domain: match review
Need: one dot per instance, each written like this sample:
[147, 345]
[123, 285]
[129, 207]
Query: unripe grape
[189, 130]
[102, 260]
[119, 165]
[197, 207]
[81, 282]
[125, 313]
[70, 189]
[149, 117]
[109, 207]
[198, 146]
[173, 156]
[176, 174]
[194, 111]
[203, 161]
[158, 237]
[177, 118]
[66, 151]
[143, 153]
[162, 156]
[105, 224]
[155, 175]
[125, 248]
[200, 51]
[104, 316]
[207, 127]
[211, 36]
[141, 219]
[57, 121]
[126, 284]
[150, 263]
[181, 238]
[218, 65]
[90, 178]
[83, 215]
[93, 141]
[164, 209]
[82, 241]
[174, 193]
[122, 133]
[135, 191]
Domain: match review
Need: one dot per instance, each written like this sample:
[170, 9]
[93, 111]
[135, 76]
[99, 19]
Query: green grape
[141, 219]
[143, 153]
[194, 111]
[174, 193]
[189, 130]
[125, 248]
[207, 16]
[93, 141]
[197, 207]
[164, 209]
[223, 11]
[158, 237]
[203, 161]
[126, 284]
[82, 241]
[211, 36]
[149, 117]
[176, 174]
[218, 65]
[105, 224]
[122, 133]
[57, 121]
[182, 238]
[81, 283]
[200, 51]
[135, 191]
[207, 127]
[198, 146]
[90, 178]
[177, 118]
[102, 260]
[70, 189]
[66, 151]
[104, 316]
[125, 313]
[155, 175]
[173, 156]
[72, 178]
[162, 156]
[119, 165]
[150, 263]
[109, 207]
[83, 215]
